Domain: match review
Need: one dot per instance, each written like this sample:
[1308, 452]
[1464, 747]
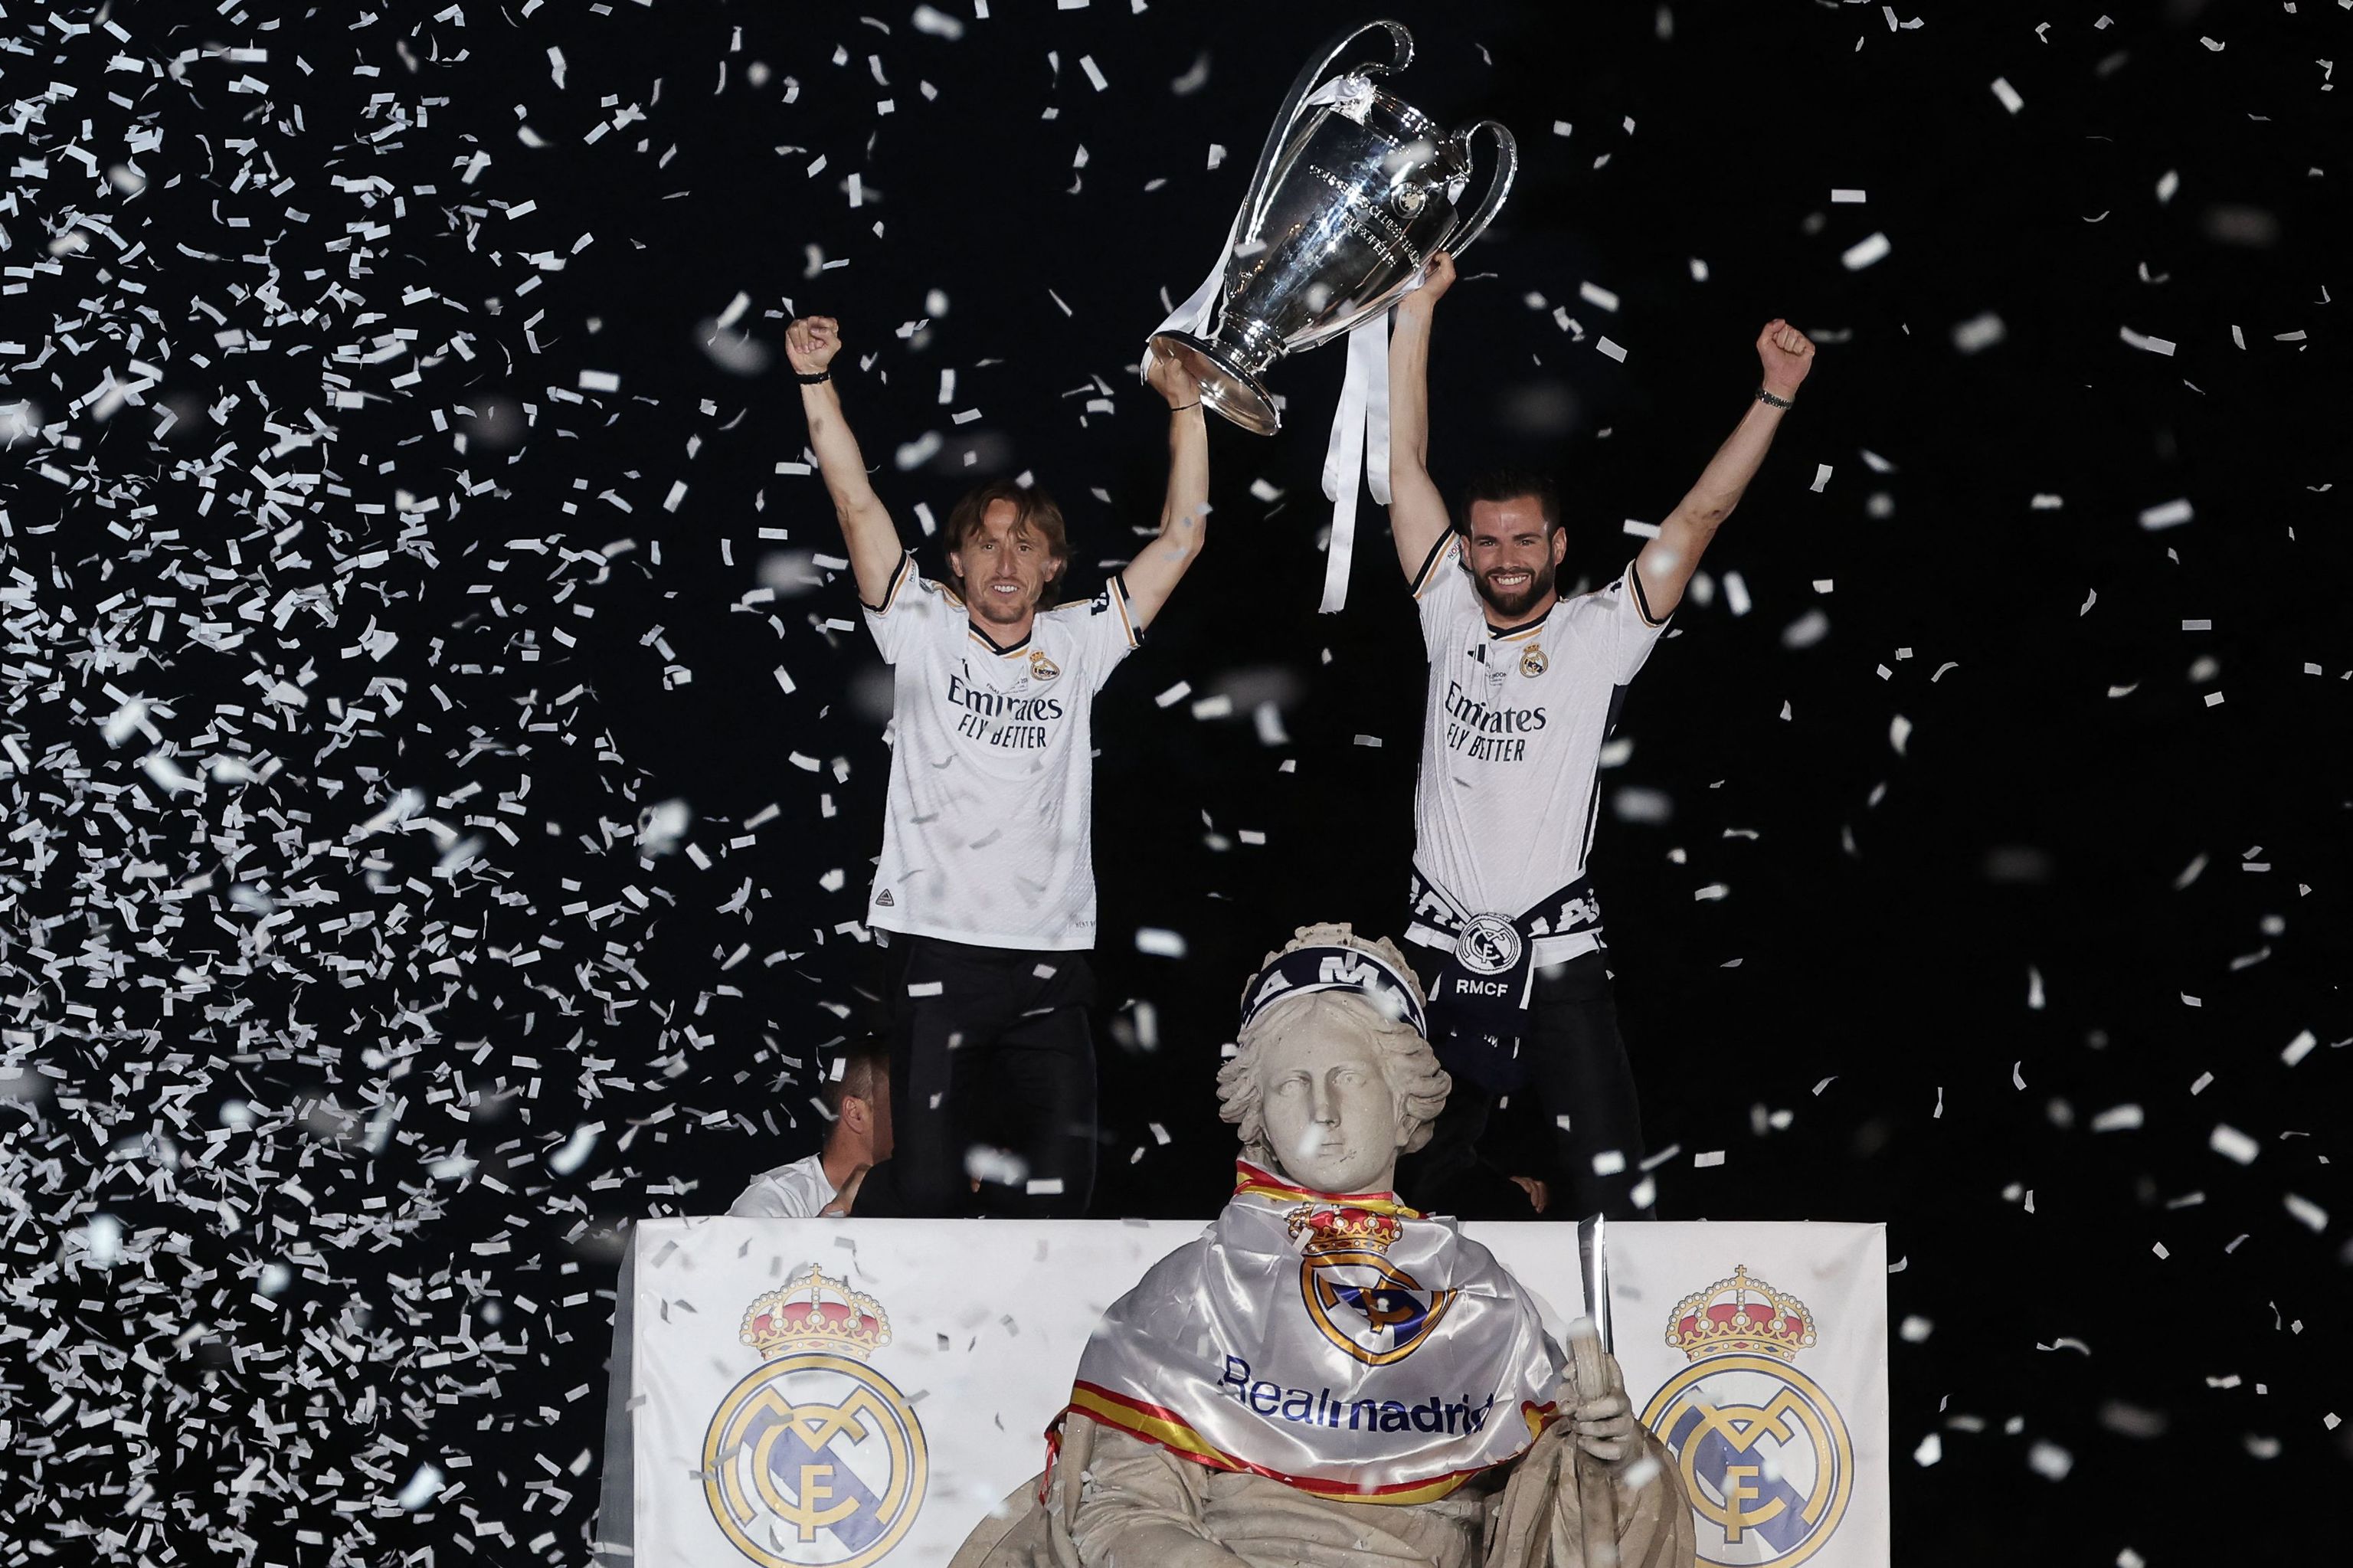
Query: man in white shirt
[858, 1101]
[985, 891]
[1525, 686]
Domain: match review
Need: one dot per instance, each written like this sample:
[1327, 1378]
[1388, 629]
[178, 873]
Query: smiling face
[1332, 1117]
[1006, 567]
[1514, 556]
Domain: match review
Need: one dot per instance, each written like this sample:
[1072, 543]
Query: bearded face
[1514, 557]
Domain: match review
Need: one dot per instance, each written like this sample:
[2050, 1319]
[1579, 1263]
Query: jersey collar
[1001, 649]
[1505, 633]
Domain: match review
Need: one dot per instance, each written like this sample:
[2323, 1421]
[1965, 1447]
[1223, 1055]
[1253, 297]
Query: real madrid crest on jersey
[1040, 667]
[815, 1460]
[1362, 1303]
[1765, 1456]
[1532, 663]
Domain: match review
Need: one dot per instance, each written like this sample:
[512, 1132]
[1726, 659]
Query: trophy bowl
[1354, 190]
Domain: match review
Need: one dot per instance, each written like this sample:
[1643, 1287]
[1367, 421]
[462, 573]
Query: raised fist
[811, 344]
[1785, 355]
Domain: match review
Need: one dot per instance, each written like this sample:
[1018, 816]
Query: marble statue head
[1332, 1077]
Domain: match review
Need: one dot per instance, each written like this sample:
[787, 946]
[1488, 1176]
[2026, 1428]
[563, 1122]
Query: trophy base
[1225, 385]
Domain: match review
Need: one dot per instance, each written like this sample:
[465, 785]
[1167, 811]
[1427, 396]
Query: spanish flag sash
[1345, 1345]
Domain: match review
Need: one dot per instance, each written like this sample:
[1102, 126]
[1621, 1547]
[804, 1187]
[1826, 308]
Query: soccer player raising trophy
[985, 891]
[1525, 686]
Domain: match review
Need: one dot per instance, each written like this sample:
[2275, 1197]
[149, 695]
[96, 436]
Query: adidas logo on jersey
[883, 900]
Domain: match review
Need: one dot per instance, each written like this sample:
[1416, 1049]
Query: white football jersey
[987, 838]
[1509, 791]
[794, 1192]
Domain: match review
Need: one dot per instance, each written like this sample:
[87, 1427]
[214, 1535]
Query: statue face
[1333, 1119]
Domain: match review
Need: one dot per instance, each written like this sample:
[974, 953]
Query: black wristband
[813, 380]
[1768, 398]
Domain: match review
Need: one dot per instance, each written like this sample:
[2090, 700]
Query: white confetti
[2231, 1144]
[1864, 252]
[1978, 334]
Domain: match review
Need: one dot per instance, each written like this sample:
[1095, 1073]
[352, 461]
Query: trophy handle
[1308, 80]
[1507, 168]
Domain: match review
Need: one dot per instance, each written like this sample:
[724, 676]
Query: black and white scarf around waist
[1479, 1000]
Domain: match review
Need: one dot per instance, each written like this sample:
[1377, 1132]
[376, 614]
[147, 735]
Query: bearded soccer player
[984, 893]
[1525, 686]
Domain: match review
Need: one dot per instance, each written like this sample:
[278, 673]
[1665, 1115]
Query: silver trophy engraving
[1354, 190]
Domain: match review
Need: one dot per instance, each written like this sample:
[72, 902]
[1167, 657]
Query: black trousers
[1578, 1104]
[987, 1045]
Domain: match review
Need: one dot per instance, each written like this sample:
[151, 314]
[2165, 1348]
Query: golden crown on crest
[1755, 1319]
[815, 1312]
[1329, 1227]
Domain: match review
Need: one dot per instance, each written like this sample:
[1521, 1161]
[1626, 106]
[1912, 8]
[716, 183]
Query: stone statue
[1327, 1377]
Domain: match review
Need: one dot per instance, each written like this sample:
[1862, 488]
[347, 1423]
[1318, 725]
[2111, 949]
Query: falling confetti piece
[2231, 1144]
[1865, 251]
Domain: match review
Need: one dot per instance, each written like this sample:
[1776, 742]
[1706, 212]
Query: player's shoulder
[1441, 570]
[927, 601]
[1076, 613]
[1602, 598]
[1077, 621]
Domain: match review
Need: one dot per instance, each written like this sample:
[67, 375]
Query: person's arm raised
[811, 344]
[1417, 511]
[1667, 562]
[1158, 568]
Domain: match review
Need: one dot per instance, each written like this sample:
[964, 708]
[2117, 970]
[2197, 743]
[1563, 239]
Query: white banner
[1759, 1352]
[816, 1393]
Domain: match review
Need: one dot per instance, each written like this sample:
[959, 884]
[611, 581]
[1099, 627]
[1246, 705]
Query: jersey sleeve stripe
[898, 576]
[1126, 619]
[1421, 579]
[1641, 600]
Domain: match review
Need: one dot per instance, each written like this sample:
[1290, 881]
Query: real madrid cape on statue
[1306, 1357]
[1345, 1346]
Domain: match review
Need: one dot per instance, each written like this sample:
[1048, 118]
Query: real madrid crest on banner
[1361, 1301]
[1765, 1456]
[815, 1460]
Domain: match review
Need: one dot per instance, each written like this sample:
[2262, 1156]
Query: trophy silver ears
[1354, 190]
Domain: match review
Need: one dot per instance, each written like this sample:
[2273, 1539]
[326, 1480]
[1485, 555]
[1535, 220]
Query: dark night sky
[2106, 859]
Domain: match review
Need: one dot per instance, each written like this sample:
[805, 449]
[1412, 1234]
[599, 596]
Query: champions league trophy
[1354, 189]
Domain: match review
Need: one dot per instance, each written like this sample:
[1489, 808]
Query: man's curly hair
[1408, 1063]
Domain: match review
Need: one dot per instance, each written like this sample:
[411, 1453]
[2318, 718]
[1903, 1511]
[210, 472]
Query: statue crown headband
[1334, 967]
